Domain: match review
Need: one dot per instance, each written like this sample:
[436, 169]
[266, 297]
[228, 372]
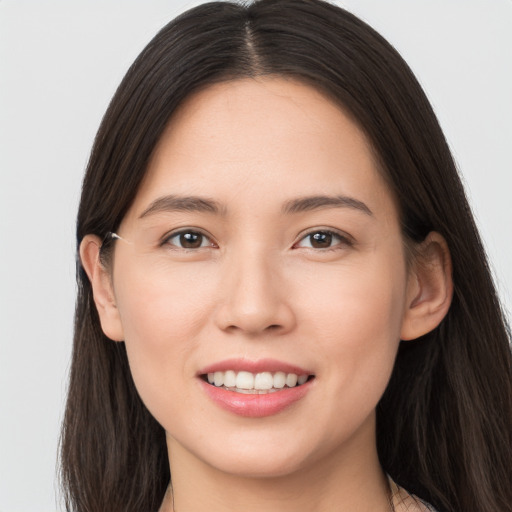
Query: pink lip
[254, 406]
[262, 365]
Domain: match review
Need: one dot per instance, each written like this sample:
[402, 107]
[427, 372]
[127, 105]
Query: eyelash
[343, 239]
[183, 232]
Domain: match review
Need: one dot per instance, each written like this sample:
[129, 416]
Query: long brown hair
[444, 424]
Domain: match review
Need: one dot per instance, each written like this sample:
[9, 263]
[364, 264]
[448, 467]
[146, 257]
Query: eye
[323, 239]
[189, 239]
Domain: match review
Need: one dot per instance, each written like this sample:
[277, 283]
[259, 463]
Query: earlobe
[430, 288]
[101, 283]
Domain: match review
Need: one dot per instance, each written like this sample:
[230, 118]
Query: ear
[429, 287]
[103, 292]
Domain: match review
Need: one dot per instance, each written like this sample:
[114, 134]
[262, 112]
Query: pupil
[321, 240]
[191, 240]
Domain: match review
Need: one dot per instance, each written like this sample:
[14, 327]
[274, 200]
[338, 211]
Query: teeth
[263, 381]
[218, 378]
[291, 380]
[280, 380]
[244, 380]
[247, 382]
[230, 379]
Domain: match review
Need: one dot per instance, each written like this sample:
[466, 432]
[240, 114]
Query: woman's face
[262, 247]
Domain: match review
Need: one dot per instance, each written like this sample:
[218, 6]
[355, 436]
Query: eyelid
[345, 238]
[179, 231]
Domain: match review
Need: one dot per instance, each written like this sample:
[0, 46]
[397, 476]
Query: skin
[257, 289]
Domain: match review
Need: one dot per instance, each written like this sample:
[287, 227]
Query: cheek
[162, 319]
[354, 316]
[355, 298]
[161, 301]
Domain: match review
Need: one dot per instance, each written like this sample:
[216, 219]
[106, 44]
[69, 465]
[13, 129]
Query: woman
[283, 299]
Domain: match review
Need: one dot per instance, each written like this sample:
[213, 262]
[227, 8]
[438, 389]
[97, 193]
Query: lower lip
[255, 406]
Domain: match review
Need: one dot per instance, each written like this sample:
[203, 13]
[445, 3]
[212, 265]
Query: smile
[255, 383]
[255, 388]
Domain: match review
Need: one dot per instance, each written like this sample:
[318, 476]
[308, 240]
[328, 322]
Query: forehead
[269, 136]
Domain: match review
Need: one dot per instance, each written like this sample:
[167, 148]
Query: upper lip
[257, 366]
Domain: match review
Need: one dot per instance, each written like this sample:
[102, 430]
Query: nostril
[251, 328]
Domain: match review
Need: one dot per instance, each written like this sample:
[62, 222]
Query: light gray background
[60, 62]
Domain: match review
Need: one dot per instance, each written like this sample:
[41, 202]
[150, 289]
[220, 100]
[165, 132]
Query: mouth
[255, 388]
[261, 383]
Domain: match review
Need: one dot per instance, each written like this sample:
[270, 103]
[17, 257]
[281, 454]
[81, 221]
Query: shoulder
[404, 502]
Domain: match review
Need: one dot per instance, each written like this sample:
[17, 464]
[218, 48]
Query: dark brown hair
[444, 425]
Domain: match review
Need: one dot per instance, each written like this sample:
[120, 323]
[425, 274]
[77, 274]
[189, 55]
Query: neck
[349, 479]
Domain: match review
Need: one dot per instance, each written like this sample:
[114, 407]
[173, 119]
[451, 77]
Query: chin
[261, 466]
[250, 456]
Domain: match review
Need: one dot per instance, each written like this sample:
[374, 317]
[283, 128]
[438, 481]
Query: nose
[254, 298]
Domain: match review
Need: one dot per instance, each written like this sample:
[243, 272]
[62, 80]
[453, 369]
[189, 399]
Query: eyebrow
[306, 204]
[173, 203]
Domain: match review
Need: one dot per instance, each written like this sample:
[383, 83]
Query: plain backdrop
[60, 62]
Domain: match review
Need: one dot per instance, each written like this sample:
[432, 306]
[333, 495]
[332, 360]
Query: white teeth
[218, 378]
[263, 382]
[302, 379]
[280, 380]
[291, 380]
[244, 380]
[230, 379]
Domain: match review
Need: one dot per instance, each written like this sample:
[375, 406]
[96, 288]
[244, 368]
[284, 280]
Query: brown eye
[189, 240]
[323, 239]
[320, 240]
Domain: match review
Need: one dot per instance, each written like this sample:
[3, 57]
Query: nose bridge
[254, 298]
